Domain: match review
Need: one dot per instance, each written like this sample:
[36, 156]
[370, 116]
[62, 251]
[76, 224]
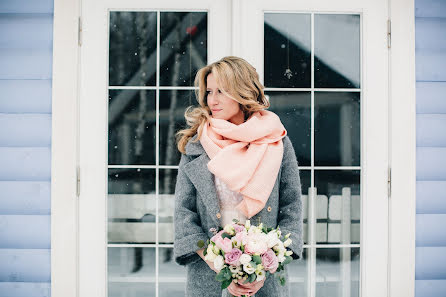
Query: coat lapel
[203, 179]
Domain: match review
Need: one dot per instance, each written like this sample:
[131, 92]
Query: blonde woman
[236, 162]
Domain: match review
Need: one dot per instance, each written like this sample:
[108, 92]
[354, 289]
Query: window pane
[298, 275]
[336, 51]
[172, 277]
[166, 204]
[132, 127]
[131, 271]
[337, 272]
[338, 206]
[287, 48]
[132, 48]
[173, 103]
[337, 127]
[131, 206]
[183, 47]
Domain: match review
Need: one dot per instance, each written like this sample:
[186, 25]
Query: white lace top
[228, 199]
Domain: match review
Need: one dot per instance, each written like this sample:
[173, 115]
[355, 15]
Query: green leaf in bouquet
[205, 252]
[225, 235]
[257, 259]
[200, 243]
[288, 259]
[269, 229]
[282, 281]
[226, 283]
[227, 273]
[221, 275]
[252, 277]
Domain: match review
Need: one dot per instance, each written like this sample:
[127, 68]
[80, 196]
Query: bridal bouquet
[245, 253]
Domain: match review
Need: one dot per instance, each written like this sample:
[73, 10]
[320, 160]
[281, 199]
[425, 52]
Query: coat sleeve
[290, 199]
[187, 224]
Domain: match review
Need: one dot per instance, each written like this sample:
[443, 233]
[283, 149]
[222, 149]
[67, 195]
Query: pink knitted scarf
[247, 157]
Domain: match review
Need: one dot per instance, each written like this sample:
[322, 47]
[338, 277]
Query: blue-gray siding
[430, 50]
[26, 38]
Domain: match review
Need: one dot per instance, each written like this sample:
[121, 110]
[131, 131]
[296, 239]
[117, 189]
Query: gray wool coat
[197, 210]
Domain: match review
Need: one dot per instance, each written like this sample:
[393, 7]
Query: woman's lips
[215, 110]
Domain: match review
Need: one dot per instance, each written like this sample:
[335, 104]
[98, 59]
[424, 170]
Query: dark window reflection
[132, 127]
[183, 47]
[131, 181]
[336, 51]
[294, 110]
[132, 48]
[173, 104]
[337, 128]
[287, 48]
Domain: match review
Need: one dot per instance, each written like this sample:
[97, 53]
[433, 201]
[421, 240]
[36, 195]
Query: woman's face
[222, 107]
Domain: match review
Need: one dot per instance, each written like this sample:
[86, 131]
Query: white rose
[245, 259]
[272, 239]
[219, 262]
[210, 256]
[287, 242]
[248, 268]
[247, 224]
[289, 253]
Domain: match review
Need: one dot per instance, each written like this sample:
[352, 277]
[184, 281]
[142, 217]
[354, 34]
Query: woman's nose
[211, 99]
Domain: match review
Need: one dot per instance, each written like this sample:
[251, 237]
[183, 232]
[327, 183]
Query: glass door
[139, 65]
[324, 67]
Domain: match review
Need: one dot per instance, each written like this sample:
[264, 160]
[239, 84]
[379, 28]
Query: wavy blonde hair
[237, 79]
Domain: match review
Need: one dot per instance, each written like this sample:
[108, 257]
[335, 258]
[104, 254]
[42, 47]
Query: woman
[237, 162]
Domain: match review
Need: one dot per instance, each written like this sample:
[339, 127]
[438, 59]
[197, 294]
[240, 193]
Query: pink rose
[224, 243]
[214, 238]
[232, 258]
[270, 261]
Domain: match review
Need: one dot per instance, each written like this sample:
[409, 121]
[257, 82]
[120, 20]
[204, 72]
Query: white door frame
[65, 148]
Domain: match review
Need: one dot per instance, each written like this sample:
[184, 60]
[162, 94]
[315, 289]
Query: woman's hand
[239, 290]
[254, 286]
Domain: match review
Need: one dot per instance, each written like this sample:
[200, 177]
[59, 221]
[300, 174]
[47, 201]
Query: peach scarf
[247, 157]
